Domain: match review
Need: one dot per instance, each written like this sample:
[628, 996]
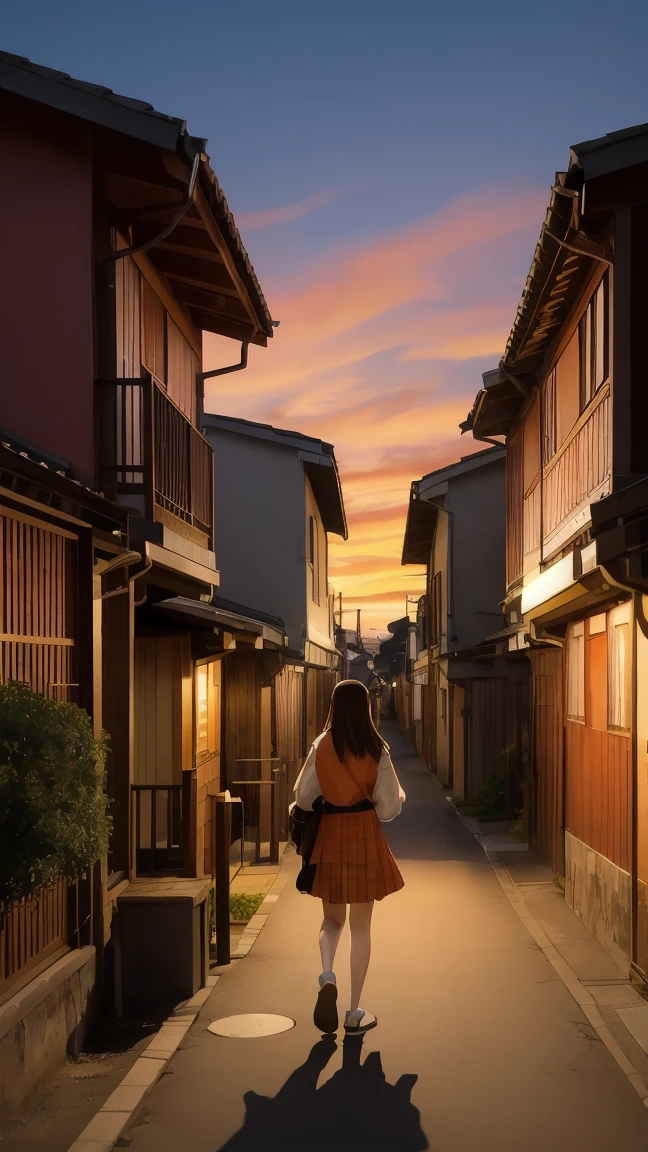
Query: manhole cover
[250, 1025]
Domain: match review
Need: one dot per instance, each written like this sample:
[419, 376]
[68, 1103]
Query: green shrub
[493, 791]
[243, 907]
[54, 818]
[518, 831]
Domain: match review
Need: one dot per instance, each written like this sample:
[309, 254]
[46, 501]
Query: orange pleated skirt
[353, 861]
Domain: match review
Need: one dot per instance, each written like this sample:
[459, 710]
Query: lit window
[576, 671]
[202, 710]
[619, 667]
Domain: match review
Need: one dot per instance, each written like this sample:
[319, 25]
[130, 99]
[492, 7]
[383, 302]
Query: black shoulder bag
[303, 833]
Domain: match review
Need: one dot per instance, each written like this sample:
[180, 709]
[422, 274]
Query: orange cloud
[265, 217]
[380, 351]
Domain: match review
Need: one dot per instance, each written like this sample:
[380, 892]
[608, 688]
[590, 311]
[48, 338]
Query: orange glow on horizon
[379, 352]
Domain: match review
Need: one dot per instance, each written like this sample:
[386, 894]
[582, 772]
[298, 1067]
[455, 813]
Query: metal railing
[150, 451]
[265, 804]
[227, 814]
[159, 841]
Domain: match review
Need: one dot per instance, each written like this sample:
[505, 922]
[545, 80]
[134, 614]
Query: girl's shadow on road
[355, 1111]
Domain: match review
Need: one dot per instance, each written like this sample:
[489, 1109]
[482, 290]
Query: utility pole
[358, 632]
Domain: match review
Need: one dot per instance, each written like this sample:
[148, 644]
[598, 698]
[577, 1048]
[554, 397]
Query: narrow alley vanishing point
[479, 1042]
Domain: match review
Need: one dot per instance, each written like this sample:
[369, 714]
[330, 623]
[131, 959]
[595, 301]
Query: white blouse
[388, 796]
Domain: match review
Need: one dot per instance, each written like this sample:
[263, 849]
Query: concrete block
[105, 1126]
[169, 1037]
[600, 895]
[144, 1073]
[92, 1146]
[41, 1023]
[125, 1098]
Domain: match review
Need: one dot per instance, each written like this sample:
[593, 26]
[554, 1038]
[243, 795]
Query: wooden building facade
[567, 399]
[466, 704]
[107, 490]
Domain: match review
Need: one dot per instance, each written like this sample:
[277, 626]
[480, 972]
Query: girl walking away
[349, 772]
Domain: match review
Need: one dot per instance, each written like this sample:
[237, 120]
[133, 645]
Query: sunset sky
[389, 166]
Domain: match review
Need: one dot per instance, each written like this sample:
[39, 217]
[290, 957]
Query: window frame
[592, 340]
[576, 664]
[437, 608]
[619, 668]
[313, 558]
[203, 750]
[589, 343]
[549, 422]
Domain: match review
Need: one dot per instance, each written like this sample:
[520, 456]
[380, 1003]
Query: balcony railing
[151, 453]
[159, 831]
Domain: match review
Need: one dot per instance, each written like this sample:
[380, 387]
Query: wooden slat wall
[289, 701]
[153, 333]
[598, 768]
[158, 710]
[532, 526]
[32, 931]
[242, 710]
[128, 294]
[547, 835]
[577, 470]
[489, 732]
[320, 683]
[209, 770]
[514, 507]
[38, 606]
[182, 366]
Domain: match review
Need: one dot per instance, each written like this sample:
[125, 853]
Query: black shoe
[325, 1016]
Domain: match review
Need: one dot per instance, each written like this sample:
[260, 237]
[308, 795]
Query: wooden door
[265, 752]
[547, 815]
[288, 698]
[458, 757]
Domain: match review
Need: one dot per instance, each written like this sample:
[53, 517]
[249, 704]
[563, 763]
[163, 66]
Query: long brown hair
[350, 722]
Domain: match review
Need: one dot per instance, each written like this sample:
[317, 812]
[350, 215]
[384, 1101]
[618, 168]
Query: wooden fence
[32, 931]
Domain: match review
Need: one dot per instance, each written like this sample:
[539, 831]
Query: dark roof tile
[198, 144]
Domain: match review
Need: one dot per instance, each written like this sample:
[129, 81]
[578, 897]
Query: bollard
[223, 836]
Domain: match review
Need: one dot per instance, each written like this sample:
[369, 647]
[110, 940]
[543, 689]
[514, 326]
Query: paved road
[479, 1044]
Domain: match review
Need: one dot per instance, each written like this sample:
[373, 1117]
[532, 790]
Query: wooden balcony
[578, 474]
[151, 456]
[159, 828]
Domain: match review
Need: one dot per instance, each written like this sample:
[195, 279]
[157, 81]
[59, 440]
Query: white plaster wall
[318, 615]
[476, 502]
[259, 510]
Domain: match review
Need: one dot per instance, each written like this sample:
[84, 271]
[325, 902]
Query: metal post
[222, 877]
[153, 827]
[274, 839]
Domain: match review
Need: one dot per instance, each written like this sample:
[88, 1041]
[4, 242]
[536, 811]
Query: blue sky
[395, 128]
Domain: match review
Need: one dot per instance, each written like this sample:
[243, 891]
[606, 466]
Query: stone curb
[580, 992]
[106, 1127]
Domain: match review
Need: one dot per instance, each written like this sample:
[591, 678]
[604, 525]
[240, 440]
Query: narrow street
[479, 1043]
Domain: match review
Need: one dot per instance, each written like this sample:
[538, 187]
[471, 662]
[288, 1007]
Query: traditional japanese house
[118, 251]
[277, 498]
[393, 663]
[57, 537]
[467, 713]
[568, 399]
